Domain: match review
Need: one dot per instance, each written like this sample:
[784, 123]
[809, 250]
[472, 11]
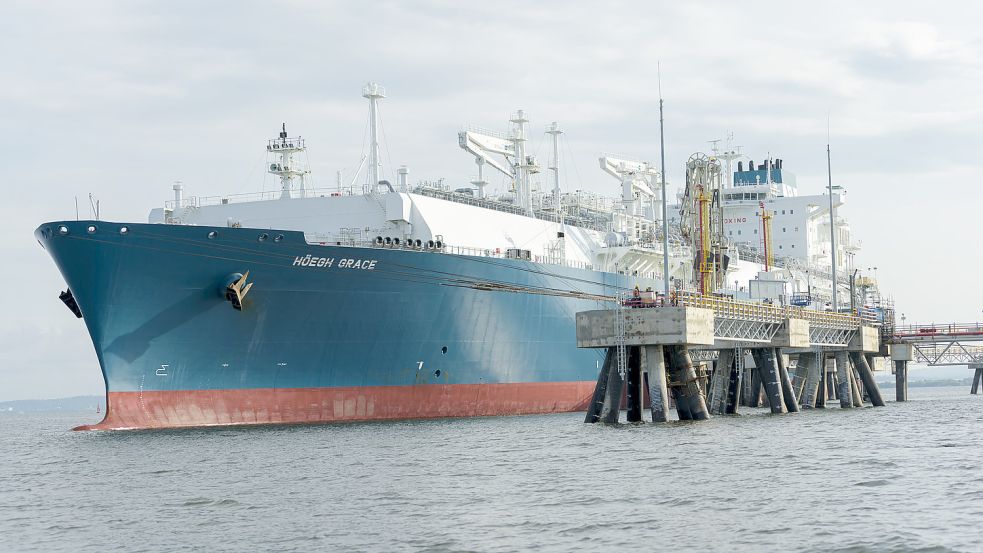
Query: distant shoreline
[74, 403]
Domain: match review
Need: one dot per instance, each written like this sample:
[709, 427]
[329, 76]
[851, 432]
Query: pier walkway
[945, 345]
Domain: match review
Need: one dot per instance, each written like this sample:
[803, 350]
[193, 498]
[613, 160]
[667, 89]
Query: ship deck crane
[636, 177]
[485, 146]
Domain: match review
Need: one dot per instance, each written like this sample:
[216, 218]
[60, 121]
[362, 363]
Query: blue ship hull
[326, 332]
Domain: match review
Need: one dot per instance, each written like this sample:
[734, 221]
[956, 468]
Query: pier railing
[763, 312]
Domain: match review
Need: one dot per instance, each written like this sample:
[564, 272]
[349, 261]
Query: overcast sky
[121, 99]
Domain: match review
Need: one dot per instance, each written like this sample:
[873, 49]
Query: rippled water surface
[906, 477]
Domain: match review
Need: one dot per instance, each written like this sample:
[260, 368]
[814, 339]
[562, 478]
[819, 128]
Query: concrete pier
[653, 347]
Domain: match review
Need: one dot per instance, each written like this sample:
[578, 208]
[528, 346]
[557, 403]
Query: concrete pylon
[788, 393]
[611, 409]
[822, 393]
[867, 376]
[720, 383]
[800, 375]
[600, 389]
[685, 387]
[734, 390]
[634, 395]
[844, 390]
[754, 385]
[858, 398]
[654, 364]
[767, 363]
[811, 364]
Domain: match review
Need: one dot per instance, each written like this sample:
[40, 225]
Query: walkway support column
[977, 377]
[901, 381]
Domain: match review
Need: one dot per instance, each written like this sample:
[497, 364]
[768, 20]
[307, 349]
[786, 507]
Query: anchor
[236, 290]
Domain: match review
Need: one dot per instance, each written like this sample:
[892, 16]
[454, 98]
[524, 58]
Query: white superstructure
[579, 228]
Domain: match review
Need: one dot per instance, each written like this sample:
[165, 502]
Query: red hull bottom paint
[191, 408]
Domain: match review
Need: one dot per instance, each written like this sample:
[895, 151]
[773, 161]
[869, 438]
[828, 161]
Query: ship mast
[373, 92]
[522, 165]
[285, 168]
[555, 132]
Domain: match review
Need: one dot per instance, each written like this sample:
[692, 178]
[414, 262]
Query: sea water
[905, 477]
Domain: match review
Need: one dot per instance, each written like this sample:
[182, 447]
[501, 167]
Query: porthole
[263, 237]
[436, 373]
[91, 229]
[212, 234]
[63, 230]
[278, 237]
[123, 230]
[443, 350]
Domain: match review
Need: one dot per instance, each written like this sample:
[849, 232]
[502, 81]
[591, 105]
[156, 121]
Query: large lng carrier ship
[389, 300]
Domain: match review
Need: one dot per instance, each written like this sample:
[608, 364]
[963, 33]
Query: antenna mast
[665, 200]
[832, 222]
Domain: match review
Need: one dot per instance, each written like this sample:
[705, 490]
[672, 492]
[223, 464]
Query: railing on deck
[936, 329]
